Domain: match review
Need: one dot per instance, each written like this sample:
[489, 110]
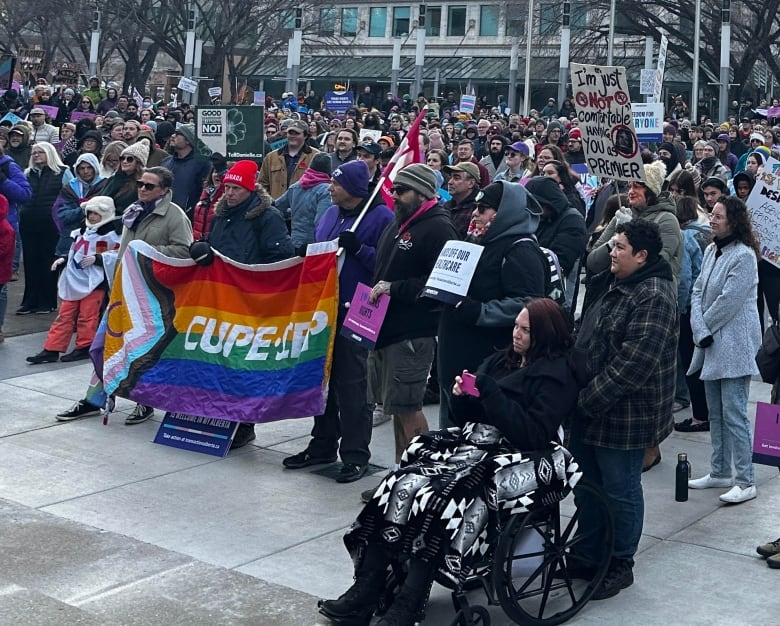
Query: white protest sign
[648, 120]
[467, 103]
[604, 113]
[452, 273]
[373, 135]
[646, 82]
[659, 71]
[188, 85]
[764, 205]
[215, 91]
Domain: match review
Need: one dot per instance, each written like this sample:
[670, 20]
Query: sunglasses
[511, 153]
[127, 159]
[399, 189]
[142, 185]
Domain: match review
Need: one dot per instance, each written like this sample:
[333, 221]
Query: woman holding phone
[524, 395]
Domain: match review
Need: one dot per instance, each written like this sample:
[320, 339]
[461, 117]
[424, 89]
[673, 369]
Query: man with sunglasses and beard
[405, 256]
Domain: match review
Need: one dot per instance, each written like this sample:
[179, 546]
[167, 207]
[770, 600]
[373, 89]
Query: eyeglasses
[127, 159]
[400, 189]
[147, 186]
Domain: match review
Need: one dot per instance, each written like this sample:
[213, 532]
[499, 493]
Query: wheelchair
[528, 560]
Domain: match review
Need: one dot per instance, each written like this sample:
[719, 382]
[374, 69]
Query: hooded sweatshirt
[20, 154]
[7, 244]
[561, 227]
[67, 212]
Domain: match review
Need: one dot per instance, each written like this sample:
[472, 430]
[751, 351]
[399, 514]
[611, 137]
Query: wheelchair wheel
[533, 560]
[473, 616]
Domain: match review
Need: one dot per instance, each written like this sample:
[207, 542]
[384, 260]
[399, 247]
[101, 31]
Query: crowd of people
[675, 292]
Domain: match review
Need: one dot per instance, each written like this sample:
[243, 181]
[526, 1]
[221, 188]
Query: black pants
[695, 385]
[769, 289]
[347, 413]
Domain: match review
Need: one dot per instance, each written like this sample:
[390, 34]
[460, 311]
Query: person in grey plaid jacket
[626, 405]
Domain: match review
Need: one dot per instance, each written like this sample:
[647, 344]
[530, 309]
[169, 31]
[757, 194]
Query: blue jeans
[619, 474]
[730, 432]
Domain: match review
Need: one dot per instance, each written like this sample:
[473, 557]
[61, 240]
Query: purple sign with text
[766, 439]
[80, 115]
[196, 433]
[364, 319]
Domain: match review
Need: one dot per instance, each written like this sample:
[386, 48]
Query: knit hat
[388, 139]
[575, 133]
[714, 145]
[188, 132]
[669, 129]
[322, 163]
[243, 174]
[491, 196]
[763, 152]
[757, 137]
[103, 206]
[218, 162]
[718, 183]
[139, 151]
[419, 177]
[554, 125]
[353, 177]
[724, 137]
[655, 173]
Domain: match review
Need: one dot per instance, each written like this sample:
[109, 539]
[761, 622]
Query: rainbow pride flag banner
[250, 343]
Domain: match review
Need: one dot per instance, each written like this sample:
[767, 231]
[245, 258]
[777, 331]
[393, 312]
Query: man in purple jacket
[347, 413]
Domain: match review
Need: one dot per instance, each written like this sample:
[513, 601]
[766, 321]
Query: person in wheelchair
[433, 513]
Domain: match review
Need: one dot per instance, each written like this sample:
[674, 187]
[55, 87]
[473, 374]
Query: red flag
[408, 152]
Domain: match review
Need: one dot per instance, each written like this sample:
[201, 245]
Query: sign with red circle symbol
[606, 122]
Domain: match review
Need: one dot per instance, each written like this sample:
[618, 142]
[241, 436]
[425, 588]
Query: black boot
[244, 434]
[411, 599]
[405, 608]
[360, 600]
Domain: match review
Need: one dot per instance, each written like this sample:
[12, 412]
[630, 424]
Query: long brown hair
[551, 332]
[739, 220]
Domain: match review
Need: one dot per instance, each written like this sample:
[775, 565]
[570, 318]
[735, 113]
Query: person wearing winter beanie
[248, 229]
[710, 165]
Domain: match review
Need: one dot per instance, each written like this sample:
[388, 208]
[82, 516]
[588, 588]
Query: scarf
[136, 212]
[312, 178]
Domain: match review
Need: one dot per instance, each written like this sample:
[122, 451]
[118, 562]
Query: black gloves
[467, 311]
[301, 250]
[706, 342]
[349, 241]
[201, 253]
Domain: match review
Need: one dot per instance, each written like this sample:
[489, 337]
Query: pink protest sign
[80, 115]
[49, 110]
[766, 439]
[364, 319]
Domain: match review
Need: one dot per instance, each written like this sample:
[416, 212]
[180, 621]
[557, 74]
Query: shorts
[399, 374]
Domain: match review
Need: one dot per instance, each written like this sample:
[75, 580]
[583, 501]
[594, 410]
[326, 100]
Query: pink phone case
[468, 386]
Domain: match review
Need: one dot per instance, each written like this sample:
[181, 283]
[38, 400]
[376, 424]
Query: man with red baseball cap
[574, 152]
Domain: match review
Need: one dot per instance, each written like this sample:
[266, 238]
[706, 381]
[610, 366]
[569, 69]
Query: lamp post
[563, 66]
[725, 54]
[527, 86]
[696, 49]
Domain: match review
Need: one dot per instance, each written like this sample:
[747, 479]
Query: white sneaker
[379, 416]
[708, 482]
[738, 494]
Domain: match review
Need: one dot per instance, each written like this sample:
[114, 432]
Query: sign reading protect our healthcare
[605, 119]
[764, 205]
[235, 131]
[452, 273]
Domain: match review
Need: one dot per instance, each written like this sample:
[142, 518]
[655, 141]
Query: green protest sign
[235, 131]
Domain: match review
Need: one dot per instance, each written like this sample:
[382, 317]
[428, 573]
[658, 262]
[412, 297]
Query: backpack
[556, 281]
[703, 235]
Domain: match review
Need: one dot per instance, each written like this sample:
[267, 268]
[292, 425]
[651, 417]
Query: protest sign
[30, 60]
[215, 92]
[188, 85]
[452, 273]
[338, 101]
[11, 117]
[764, 205]
[48, 110]
[235, 131]
[258, 98]
[364, 319]
[766, 438]
[604, 114]
[648, 120]
[80, 115]
[467, 103]
[195, 433]
[646, 82]
[658, 81]
[373, 135]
